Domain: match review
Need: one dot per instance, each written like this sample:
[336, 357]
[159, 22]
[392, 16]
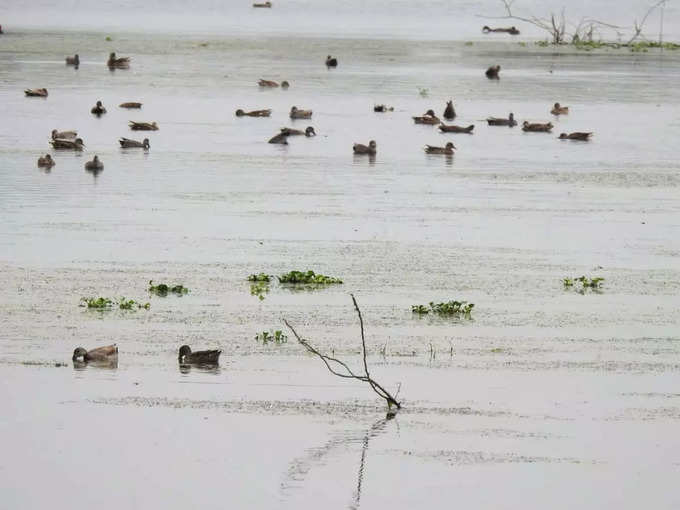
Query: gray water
[548, 397]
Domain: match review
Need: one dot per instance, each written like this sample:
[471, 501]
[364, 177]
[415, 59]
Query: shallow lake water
[547, 397]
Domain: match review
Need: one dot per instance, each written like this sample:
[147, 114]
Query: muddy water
[548, 397]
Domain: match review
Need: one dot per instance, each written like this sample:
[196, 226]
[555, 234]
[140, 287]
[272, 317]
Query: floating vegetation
[261, 277]
[308, 277]
[102, 303]
[469, 43]
[162, 289]
[423, 92]
[259, 289]
[131, 304]
[584, 281]
[109, 38]
[448, 308]
[271, 336]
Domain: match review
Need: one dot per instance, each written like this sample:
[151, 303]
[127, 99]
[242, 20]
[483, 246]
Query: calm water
[548, 397]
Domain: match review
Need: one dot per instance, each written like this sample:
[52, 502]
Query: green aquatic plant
[99, 303]
[568, 282]
[423, 92]
[277, 337]
[468, 43]
[259, 289]
[162, 289]
[447, 308]
[543, 44]
[131, 304]
[260, 277]
[309, 277]
[109, 38]
[585, 283]
[593, 283]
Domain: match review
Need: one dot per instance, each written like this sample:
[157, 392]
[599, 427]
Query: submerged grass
[448, 308]
[309, 277]
[163, 289]
[271, 336]
[102, 303]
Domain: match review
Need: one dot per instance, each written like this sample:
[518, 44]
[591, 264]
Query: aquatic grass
[271, 336]
[447, 308]
[584, 281]
[259, 289]
[423, 92]
[131, 304]
[163, 289]
[260, 277]
[102, 303]
[308, 277]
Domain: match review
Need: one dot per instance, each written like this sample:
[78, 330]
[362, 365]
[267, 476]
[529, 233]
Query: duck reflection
[110, 364]
[206, 368]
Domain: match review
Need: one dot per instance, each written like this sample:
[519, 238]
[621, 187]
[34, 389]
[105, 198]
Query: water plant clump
[307, 277]
[259, 289]
[447, 308]
[100, 303]
[277, 337]
[260, 277]
[163, 289]
[131, 304]
[586, 282]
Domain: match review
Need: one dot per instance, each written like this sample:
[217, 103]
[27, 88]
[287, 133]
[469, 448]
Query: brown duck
[559, 110]
[130, 104]
[456, 129]
[492, 72]
[76, 144]
[143, 126]
[118, 63]
[73, 61]
[36, 92]
[46, 161]
[536, 127]
[63, 135]
[449, 111]
[253, 113]
[429, 118]
[448, 149]
[300, 114]
[127, 143]
[359, 148]
[272, 84]
[265, 5]
[98, 109]
[381, 108]
[186, 357]
[512, 30]
[309, 131]
[499, 121]
[106, 353]
[95, 165]
[577, 135]
[281, 138]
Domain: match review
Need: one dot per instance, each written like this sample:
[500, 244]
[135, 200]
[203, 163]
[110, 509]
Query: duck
[536, 127]
[118, 63]
[143, 126]
[106, 353]
[456, 129]
[63, 135]
[309, 131]
[266, 5]
[254, 113]
[36, 92]
[281, 138]
[359, 148]
[499, 121]
[94, 165]
[448, 149]
[199, 357]
[492, 72]
[73, 61]
[285, 84]
[577, 135]
[449, 111]
[331, 61]
[126, 143]
[98, 109]
[300, 114]
[46, 161]
[559, 110]
[130, 104]
[428, 118]
[267, 83]
[76, 144]
[381, 108]
[512, 30]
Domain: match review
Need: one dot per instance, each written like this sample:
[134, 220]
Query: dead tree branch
[336, 366]
[637, 28]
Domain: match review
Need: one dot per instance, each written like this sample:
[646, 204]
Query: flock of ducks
[69, 140]
[108, 355]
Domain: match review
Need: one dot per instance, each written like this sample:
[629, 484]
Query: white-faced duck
[46, 161]
[106, 353]
[309, 131]
[199, 357]
[359, 148]
[331, 61]
[98, 109]
[448, 149]
[381, 108]
[127, 143]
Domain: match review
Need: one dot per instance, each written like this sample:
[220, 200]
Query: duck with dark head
[210, 357]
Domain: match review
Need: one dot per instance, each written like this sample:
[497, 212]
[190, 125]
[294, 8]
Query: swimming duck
[492, 72]
[293, 132]
[73, 61]
[118, 63]
[94, 165]
[559, 110]
[331, 61]
[267, 83]
[536, 127]
[456, 129]
[285, 84]
[198, 357]
[381, 108]
[98, 109]
[281, 138]
[76, 144]
[143, 126]
[428, 118]
[449, 112]
[359, 148]
[130, 105]
[300, 114]
[126, 143]
[266, 5]
[448, 150]
[496, 121]
[512, 30]
[106, 353]
[36, 92]
[254, 113]
[46, 161]
[577, 135]
[63, 135]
